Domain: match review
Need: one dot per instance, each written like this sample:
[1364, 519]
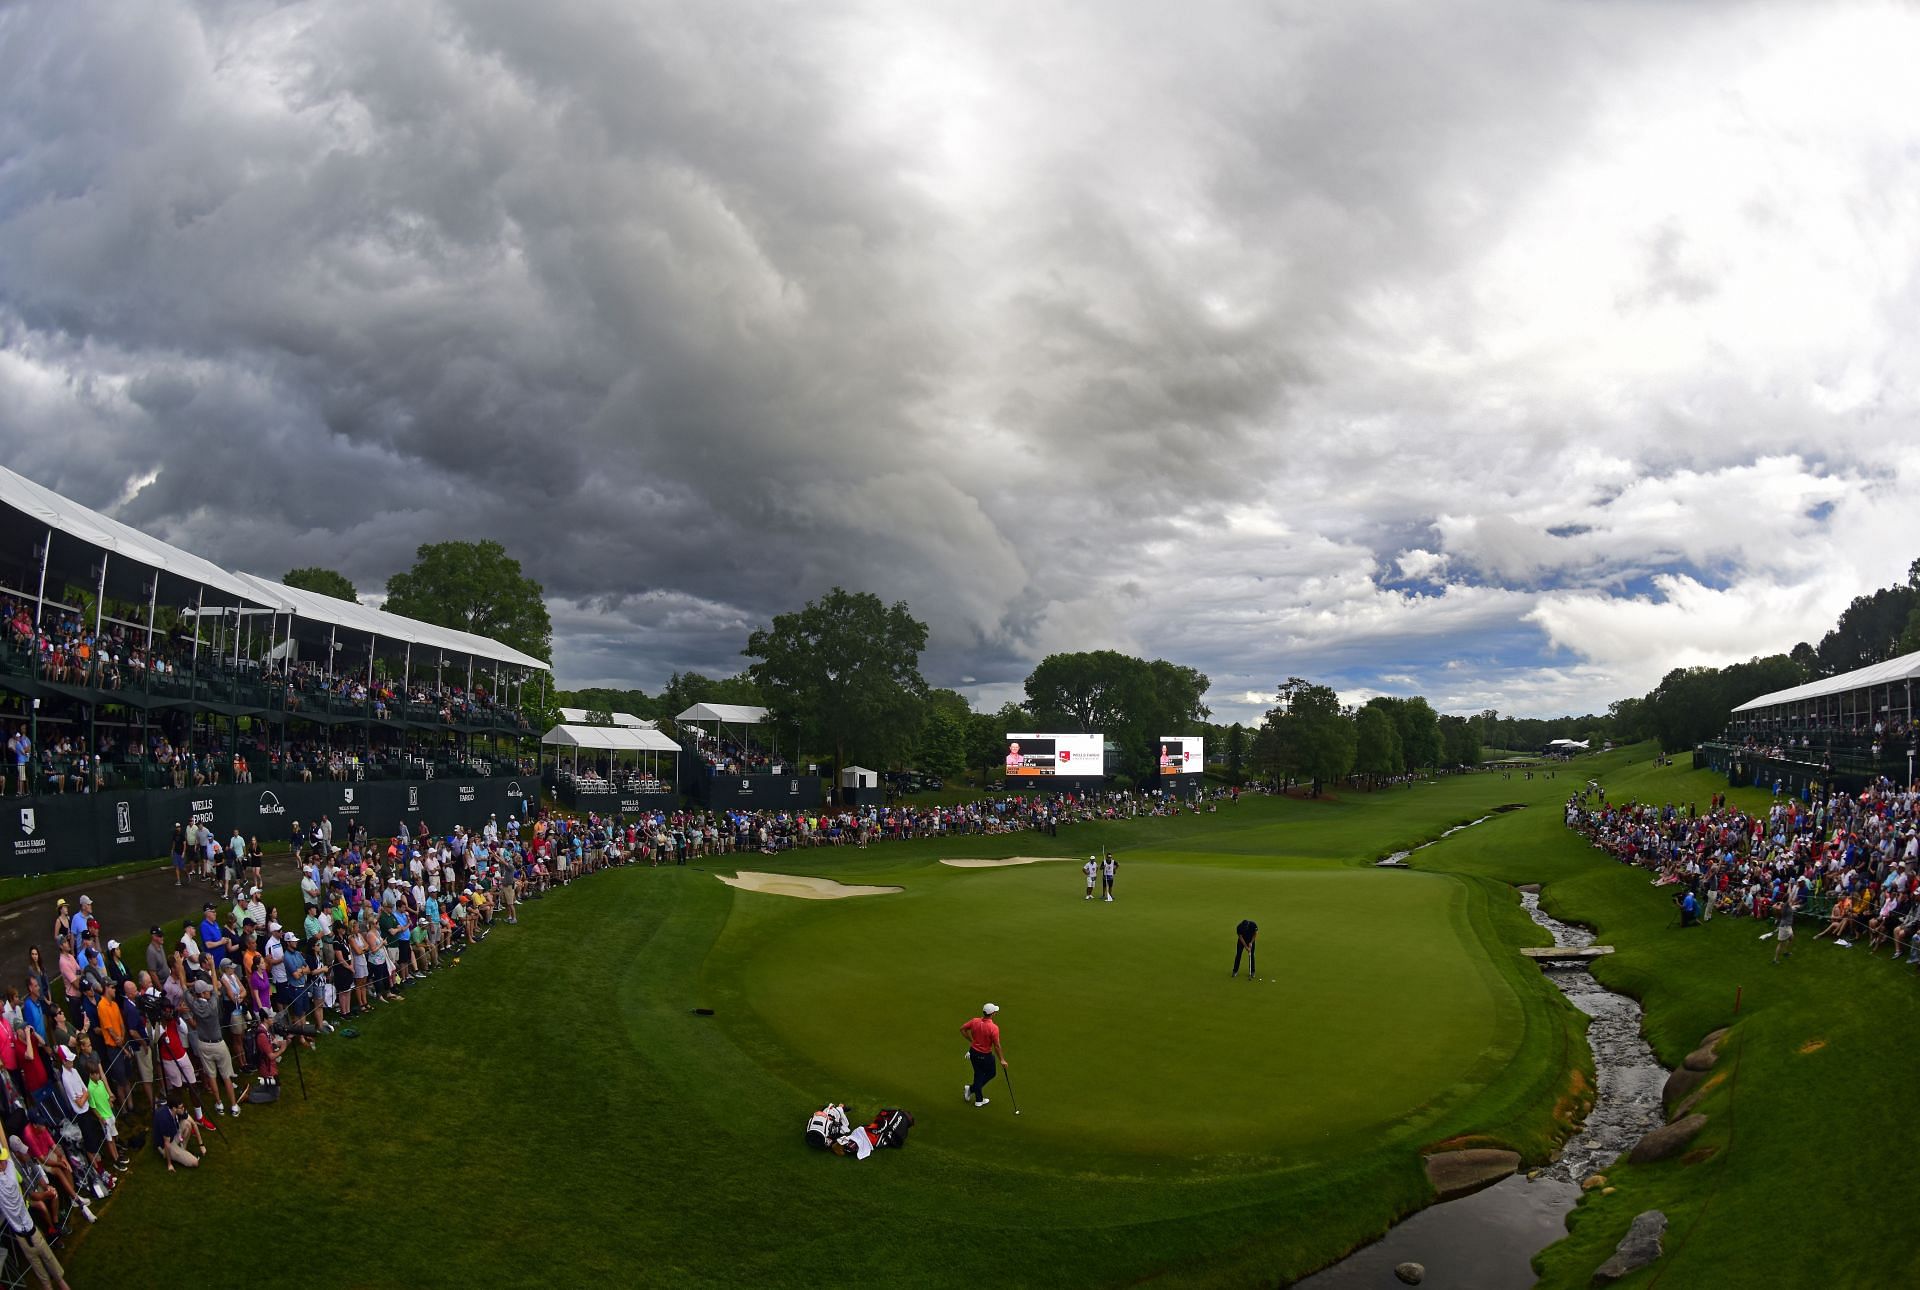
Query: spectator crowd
[115, 1047]
[1844, 861]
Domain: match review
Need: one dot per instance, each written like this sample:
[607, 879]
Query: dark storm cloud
[1093, 325]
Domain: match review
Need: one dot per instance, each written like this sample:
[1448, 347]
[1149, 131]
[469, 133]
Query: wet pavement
[127, 906]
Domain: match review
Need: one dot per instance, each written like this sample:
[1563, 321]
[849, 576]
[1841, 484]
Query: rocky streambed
[1488, 1239]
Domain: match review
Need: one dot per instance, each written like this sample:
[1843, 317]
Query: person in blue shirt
[1689, 909]
[213, 939]
[82, 919]
[33, 1009]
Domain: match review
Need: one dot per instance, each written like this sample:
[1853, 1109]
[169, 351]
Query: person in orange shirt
[983, 1048]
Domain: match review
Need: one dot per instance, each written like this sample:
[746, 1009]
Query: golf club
[1007, 1071]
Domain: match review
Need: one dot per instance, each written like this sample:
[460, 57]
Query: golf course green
[552, 1111]
[1375, 1012]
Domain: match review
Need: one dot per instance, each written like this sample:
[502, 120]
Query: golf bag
[889, 1128]
[827, 1126]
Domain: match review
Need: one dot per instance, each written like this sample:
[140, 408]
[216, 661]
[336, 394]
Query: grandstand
[142, 686]
[1846, 730]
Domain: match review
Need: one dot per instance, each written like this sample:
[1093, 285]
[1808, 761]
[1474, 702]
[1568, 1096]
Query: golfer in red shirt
[983, 1040]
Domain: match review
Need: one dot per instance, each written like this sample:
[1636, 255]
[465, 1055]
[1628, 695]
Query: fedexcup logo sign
[270, 804]
[513, 788]
[26, 820]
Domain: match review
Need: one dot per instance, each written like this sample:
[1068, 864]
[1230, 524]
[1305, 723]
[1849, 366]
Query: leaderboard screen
[1182, 755]
[1031, 755]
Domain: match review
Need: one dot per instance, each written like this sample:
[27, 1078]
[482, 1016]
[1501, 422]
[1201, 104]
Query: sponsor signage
[1037, 755]
[269, 804]
[123, 832]
[1182, 755]
[347, 805]
[28, 846]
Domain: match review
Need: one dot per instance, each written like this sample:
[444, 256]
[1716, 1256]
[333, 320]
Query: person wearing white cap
[1092, 869]
[983, 1050]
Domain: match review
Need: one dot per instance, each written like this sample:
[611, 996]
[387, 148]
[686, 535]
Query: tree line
[1694, 704]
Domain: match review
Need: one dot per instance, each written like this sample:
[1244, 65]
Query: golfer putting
[983, 1049]
[1243, 938]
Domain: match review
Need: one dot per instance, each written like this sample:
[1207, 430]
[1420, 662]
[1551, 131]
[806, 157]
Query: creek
[1487, 1240]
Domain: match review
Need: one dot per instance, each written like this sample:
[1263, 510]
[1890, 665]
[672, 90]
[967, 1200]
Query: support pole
[40, 597]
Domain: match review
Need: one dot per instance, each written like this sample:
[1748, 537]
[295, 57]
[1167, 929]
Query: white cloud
[1091, 326]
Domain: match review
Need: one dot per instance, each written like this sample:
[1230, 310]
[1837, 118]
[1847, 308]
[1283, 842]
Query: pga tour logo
[413, 797]
[123, 822]
[270, 804]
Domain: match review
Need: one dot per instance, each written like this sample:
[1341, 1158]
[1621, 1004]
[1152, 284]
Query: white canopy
[578, 716]
[629, 720]
[730, 714]
[75, 520]
[859, 777]
[334, 612]
[1894, 671]
[609, 738]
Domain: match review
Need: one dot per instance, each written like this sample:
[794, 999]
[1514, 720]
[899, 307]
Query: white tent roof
[629, 720]
[69, 517]
[609, 738]
[732, 714]
[315, 607]
[578, 716]
[1892, 672]
[118, 539]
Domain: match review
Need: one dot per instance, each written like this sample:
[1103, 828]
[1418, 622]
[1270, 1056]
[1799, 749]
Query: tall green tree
[1131, 701]
[328, 582]
[1306, 735]
[1376, 748]
[1237, 747]
[475, 587]
[1459, 741]
[942, 744]
[987, 737]
[845, 673]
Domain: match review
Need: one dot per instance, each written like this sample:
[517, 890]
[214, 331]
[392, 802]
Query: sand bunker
[1001, 864]
[787, 884]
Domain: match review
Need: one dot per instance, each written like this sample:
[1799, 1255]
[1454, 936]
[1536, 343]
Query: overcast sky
[1508, 353]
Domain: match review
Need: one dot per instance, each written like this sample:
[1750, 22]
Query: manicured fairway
[551, 1112]
[1376, 1007]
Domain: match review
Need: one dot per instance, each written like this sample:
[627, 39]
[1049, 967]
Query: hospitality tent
[613, 741]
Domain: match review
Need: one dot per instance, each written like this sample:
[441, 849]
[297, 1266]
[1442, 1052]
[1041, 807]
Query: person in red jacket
[983, 1048]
